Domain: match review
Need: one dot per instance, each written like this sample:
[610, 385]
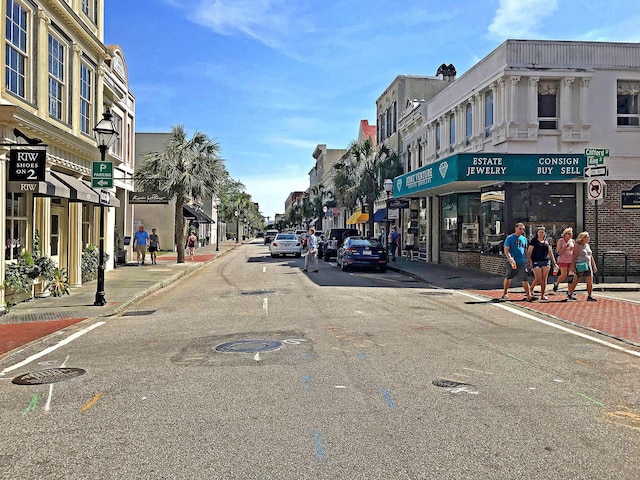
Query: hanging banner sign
[148, 198]
[27, 165]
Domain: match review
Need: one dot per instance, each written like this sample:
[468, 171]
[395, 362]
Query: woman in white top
[583, 265]
[409, 244]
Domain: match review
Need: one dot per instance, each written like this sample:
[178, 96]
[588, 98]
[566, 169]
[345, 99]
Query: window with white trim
[488, 113]
[89, 9]
[17, 48]
[452, 132]
[469, 124]
[57, 85]
[628, 99]
[15, 225]
[116, 147]
[437, 138]
[548, 105]
[86, 92]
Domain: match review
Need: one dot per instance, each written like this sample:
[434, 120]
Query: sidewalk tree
[361, 173]
[185, 169]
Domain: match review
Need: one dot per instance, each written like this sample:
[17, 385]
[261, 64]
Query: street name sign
[596, 156]
[102, 174]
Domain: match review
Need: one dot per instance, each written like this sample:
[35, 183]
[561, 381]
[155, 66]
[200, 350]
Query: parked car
[260, 235]
[334, 240]
[269, 236]
[286, 244]
[362, 252]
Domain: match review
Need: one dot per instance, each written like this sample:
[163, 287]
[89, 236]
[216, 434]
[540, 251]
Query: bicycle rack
[613, 253]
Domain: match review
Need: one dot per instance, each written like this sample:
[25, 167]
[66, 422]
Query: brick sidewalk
[615, 318]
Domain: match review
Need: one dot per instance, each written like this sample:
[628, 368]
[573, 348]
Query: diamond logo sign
[444, 166]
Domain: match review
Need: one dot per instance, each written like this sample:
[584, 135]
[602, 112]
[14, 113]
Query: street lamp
[388, 189]
[217, 203]
[106, 134]
[237, 225]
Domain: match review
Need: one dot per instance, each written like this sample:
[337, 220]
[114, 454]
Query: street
[250, 369]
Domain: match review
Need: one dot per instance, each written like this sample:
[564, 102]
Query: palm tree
[360, 175]
[319, 197]
[185, 169]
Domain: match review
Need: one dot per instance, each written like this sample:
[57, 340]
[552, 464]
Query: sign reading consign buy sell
[467, 167]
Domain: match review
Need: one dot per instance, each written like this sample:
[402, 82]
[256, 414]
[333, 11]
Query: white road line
[48, 350]
[550, 324]
[265, 305]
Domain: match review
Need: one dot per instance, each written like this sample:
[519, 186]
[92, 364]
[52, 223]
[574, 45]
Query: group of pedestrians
[574, 262]
[142, 240]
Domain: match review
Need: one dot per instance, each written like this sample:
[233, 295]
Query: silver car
[286, 244]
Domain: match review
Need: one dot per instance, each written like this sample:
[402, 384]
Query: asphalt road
[367, 376]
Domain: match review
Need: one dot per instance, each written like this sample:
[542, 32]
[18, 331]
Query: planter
[39, 290]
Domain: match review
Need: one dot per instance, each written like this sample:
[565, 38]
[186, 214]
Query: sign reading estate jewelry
[148, 197]
[466, 167]
[27, 165]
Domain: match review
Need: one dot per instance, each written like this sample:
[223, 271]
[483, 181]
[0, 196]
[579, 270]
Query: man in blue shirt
[516, 253]
[140, 240]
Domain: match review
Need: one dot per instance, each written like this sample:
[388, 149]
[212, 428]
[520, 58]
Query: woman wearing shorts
[154, 245]
[565, 255]
[583, 265]
[542, 257]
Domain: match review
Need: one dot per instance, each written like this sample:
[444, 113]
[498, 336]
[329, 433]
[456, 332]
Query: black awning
[190, 213]
[80, 192]
[51, 187]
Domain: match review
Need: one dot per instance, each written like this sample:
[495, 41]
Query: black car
[362, 252]
[334, 240]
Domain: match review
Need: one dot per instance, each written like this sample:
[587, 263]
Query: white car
[286, 244]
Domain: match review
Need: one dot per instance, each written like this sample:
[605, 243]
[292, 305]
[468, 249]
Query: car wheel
[298, 255]
[326, 257]
[273, 256]
[383, 269]
[344, 267]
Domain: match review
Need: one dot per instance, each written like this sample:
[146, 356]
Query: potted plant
[58, 285]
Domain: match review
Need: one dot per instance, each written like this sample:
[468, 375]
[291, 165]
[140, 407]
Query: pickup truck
[334, 240]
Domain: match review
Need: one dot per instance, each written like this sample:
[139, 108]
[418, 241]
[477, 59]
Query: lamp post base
[100, 301]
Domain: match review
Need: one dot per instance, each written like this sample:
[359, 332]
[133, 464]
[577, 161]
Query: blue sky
[271, 79]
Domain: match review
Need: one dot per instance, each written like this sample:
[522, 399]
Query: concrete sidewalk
[124, 285]
[37, 318]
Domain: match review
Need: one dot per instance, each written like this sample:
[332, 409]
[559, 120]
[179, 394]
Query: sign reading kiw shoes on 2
[469, 167]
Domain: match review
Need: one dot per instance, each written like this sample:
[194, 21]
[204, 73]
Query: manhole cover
[51, 375]
[447, 383]
[249, 346]
[257, 292]
[138, 312]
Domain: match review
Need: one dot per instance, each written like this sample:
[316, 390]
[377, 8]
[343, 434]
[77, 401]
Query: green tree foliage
[360, 175]
[185, 169]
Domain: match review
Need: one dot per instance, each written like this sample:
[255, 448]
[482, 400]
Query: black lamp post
[237, 226]
[217, 202]
[106, 134]
[388, 189]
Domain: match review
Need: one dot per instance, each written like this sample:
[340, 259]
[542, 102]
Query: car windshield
[363, 242]
[286, 236]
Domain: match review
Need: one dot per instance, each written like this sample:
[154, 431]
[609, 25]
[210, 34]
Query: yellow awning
[358, 217]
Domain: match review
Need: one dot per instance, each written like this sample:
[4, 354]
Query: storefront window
[15, 225]
[460, 230]
[551, 205]
[492, 221]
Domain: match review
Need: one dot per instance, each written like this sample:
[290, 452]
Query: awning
[380, 215]
[113, 200]
[80, 192]
[358, 217]
[190, 213]
[51, 187]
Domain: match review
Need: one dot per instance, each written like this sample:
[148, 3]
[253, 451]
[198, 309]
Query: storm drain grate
[249, 346]
[447, 383]
[436, 293]
[137, 313]
[257, 292]
[51, 375]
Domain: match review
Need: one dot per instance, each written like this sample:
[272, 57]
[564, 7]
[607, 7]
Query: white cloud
[521, 18]
[272, 192]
